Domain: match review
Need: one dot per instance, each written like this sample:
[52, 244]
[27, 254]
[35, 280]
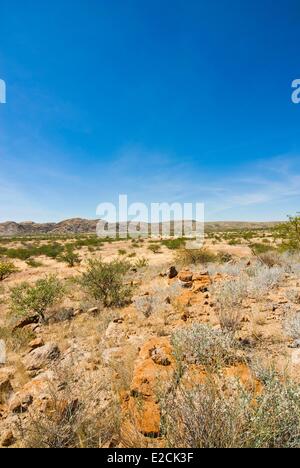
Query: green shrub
[132, 255]
[174, 244]
[6, 270]
[289, 233]
[50, 250]
[141, 263]
[31, 262]
[26, 299]
[194, 256]
[105, 282]
[71, 258]
[155, 248]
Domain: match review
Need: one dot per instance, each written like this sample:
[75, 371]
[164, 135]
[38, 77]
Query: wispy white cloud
[45, 191]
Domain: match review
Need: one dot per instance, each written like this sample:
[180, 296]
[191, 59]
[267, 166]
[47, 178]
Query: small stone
[172, 272]
[93, 311]
[78, 312]
[7, 440]
[21, 404]
[185, 276]
[37, 343]
[295, 344]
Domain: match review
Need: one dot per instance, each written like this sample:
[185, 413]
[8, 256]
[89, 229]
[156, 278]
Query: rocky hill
[85, 226]
[69, 226]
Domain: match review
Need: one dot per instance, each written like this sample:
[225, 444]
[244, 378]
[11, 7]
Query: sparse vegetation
[230, 416]
[197, 328]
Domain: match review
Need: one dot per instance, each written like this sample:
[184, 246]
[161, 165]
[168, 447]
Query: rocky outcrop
[153, 371]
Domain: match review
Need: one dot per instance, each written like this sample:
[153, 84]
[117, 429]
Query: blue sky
[162, 100]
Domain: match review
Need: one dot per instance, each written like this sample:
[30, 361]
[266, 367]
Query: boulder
[35, 392]
[40, 357]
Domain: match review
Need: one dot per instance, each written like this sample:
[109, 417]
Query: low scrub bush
[263, 279]
[289, 234]
[293, 295]
[141, 263]
[105, 282]
[213, 416]
[203, 345]
[188, 257]
[258, 248]
[292, 325]
[26, 299]
[75, 419]
[71, 258]
[17, 340]
[6, 270]
[174, 244]
[155, 248]
[32, 263]
[271, 259]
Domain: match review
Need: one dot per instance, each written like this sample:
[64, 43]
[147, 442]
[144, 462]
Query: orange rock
[185, 276]
[242, 373]
[202, 283]
[146, 416]
[154, 368]
[185, 299]
[195, 375]
[37, 343]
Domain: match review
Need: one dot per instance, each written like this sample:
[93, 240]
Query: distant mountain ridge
[68, 226]
[85, 226]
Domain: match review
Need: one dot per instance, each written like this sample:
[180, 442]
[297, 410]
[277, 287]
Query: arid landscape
[144, 343]
[149, 227]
